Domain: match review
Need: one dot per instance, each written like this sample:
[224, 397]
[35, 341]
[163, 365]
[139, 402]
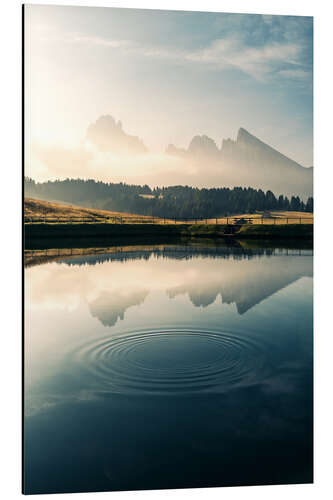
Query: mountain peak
[108, 135]
[201, 144]
[245, 136]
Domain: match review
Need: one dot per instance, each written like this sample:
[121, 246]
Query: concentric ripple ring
[173, 361]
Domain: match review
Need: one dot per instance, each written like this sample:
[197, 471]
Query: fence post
[216, 220]
[262, 220]
[227, 220]
[206, 222]
[287, 220]
[300, 220]
[175, 220]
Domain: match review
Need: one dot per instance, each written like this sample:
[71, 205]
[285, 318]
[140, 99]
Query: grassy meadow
[56, 212]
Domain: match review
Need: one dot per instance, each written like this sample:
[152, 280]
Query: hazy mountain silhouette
[244, 162]
[248, 162]
[108, 136]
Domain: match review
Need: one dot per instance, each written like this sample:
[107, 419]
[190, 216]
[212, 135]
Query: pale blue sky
[169, 75]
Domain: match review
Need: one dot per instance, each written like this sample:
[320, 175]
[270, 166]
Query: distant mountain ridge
[108, 151]
[202, 144]
[246, 142]
[248, 161]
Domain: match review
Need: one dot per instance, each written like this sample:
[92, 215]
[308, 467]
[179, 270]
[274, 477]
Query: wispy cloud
[258, 62]
[100, 41]
[297, 74]
[261, 62]
[261, 46]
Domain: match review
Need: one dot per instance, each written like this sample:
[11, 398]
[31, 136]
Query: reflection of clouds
[53, 286]
[35, 404]
[109, 307]
[49, 289]
[289, 376]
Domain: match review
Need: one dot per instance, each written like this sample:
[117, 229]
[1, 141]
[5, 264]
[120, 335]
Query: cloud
[258, 46]
[258, 62]
[221, 54]
[85, 161]
[297, 74]
[97, 40]
[57, 160]
[49, 33]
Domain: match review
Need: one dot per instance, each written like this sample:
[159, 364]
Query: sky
[167, 76]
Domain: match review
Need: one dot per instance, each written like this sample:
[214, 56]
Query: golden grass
[276, 217]
[40, 208]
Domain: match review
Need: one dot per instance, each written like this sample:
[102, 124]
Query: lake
[168, 367]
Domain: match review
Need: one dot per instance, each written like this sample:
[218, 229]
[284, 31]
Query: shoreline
[191, 247]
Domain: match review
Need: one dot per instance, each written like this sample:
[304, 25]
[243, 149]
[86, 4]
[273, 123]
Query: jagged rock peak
[245, 139]
[245, 136]
[173, 150]
[202, 144]
[108, 135]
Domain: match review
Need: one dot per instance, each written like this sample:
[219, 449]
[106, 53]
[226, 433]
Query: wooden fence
[158, 220]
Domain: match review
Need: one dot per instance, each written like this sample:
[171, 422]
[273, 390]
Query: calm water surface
[165, 368]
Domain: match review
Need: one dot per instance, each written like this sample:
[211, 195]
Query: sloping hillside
[39, 208]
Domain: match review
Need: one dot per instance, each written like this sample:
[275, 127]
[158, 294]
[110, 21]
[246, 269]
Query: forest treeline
[173, 201]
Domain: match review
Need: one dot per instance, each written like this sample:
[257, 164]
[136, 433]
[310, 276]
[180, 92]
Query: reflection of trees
[81, 257]
[110, 307]
[178, 253]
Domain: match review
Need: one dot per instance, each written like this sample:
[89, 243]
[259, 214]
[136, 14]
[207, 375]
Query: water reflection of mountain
[110, 307]
[245, 285]
[246, 289]
[231, 274]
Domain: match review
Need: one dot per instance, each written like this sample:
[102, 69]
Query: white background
[10, 289]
